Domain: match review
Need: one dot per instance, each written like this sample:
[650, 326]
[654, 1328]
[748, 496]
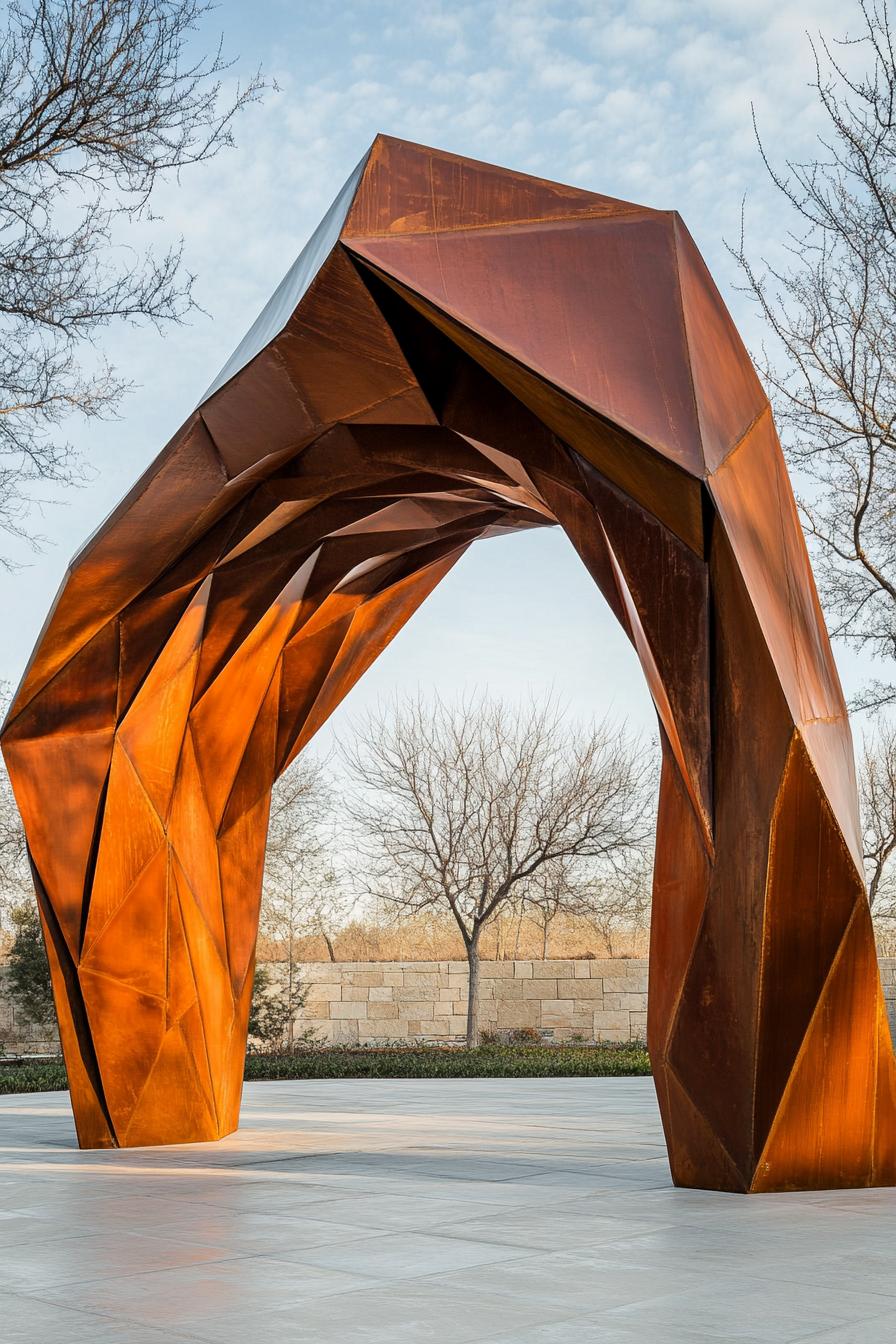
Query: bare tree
[831, 309]
[15, 880]
[301, 893]
[618, 904]
[878, 799]
[99, 100]
[553, 889]
[613, 897]
[460, 806]
[15, 876]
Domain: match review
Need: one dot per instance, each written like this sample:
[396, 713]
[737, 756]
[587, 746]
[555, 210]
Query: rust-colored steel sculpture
[459, 352]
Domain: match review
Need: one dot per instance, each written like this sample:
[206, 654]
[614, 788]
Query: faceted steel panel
[461, 352]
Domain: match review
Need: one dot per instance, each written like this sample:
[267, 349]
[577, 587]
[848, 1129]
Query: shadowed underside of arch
[461, 352]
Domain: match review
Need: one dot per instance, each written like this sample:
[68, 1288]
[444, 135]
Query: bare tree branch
[15, 875]
[878, 798]
[612, 899]
[831, 311]
[301, 894]
[99, 101]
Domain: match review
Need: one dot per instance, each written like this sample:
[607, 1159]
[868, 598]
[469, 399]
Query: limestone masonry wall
[888, 979]
[368, 1002]
[16, 1034]
[372, 1002]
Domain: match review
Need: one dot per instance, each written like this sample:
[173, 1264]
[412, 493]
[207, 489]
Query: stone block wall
[373, 1002]
[888, 980]
[17, 1035]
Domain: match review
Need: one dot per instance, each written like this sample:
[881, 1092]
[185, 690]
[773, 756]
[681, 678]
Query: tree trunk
[473, 991]
[519, 934]
[290, 1030]
[330, 948]
[544, 940]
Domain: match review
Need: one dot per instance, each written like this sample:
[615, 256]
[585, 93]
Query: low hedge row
[45, 1076]
[486, 1061]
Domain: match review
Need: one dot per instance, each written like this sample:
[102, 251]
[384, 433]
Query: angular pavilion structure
[460, 352]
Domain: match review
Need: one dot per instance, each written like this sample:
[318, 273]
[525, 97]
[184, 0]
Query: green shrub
[29, 971]
[40, 1076]
[525, 1036]
[276, 1002]
[484, 1061]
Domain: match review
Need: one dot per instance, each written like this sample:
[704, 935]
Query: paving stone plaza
[497, 1211]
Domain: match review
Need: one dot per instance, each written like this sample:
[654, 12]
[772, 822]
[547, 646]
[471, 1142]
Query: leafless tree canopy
[99, 99]
[610, 898]
[300, 804]
[831, 309]
[878, 796]
[15, 876]
[301, 893]
[551, 891]
[462, 807]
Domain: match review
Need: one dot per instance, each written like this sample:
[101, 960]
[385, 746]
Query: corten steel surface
[460, 352]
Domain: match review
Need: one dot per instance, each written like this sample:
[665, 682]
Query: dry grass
[436, 939]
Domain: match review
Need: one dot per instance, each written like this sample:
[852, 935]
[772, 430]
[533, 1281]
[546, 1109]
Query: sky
[648, 100]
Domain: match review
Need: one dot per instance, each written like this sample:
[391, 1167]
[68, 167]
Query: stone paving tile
[763, 1310]
[872, 1265]
[525, 1211]
[182, 1298]
[577, 1279]
[508, 1194]
[237, 1233]
[25, 1321]
[411, 1312]
[599, 1330]
[375, 1211]
[42, 1266]
[411, 1255]
[878, 1331]
[779, 1250]
[563, 1227]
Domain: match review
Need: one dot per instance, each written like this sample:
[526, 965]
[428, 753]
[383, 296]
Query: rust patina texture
[458, 353]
